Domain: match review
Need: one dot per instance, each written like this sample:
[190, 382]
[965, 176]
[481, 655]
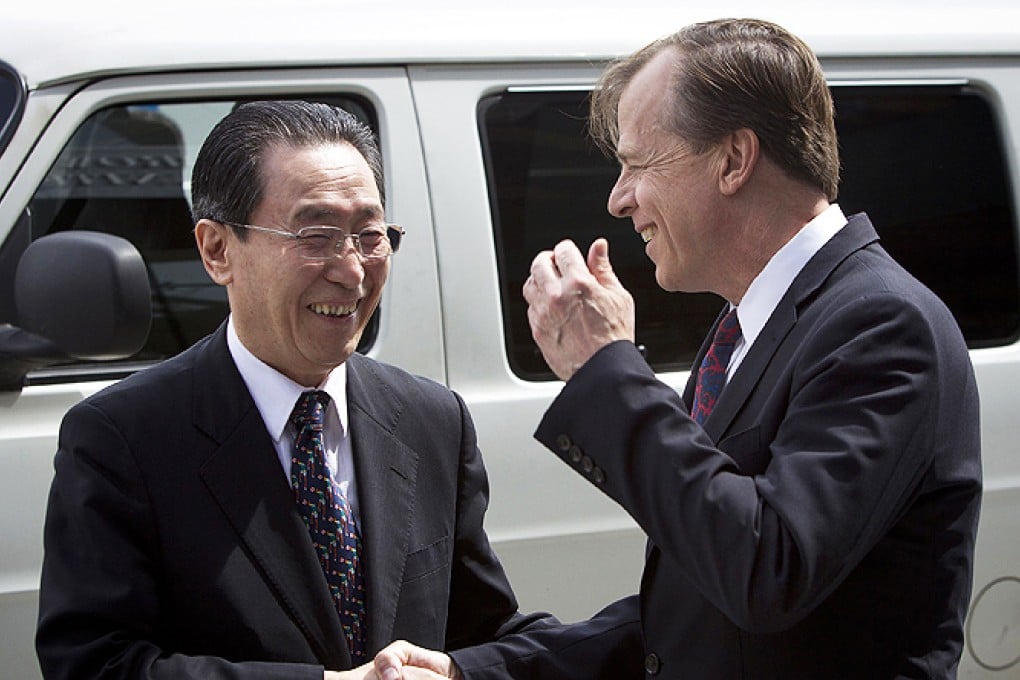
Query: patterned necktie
[328, 517]
[712, 374]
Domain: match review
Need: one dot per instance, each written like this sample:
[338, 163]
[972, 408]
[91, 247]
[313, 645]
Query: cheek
[656, 193]
[283, 302]
[248, 288]
[375, 280]
[372, 286]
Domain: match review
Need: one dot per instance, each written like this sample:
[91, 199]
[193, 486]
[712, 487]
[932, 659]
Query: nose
[345, 267]
[621, 199]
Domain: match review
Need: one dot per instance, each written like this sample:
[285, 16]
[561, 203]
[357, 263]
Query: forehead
[643, 103]
[326, 178]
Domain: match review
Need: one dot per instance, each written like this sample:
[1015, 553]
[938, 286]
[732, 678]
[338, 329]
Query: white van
[481, 118]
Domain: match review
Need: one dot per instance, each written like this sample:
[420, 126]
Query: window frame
[10, 117]
[387, 89]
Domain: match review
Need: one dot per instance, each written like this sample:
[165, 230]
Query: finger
[544, 275]
[394, 661]
[389, 662]
[600, 266]
[568, 259]
[388, 666]
[414, 673]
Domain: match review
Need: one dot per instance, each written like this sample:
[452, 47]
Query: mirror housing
[79, 295]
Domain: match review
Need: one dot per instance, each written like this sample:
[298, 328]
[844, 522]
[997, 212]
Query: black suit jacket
[820, 525]
[174, 548]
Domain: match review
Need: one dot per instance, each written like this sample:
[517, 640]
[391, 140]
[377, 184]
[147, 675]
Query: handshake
[402, 661]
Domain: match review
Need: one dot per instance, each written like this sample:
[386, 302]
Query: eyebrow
[316, 212]
[624, 158]
[625, 154]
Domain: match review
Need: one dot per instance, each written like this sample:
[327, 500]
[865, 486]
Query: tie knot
[310, 409]
[729, 329]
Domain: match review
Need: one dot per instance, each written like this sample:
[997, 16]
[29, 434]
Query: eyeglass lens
[322, 243]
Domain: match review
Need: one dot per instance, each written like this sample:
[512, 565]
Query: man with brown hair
[811, 499]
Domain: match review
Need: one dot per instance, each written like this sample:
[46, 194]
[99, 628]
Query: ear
[212, 238]
[741, 151]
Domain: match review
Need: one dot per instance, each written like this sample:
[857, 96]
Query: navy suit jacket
[174, 548]
[820, 525]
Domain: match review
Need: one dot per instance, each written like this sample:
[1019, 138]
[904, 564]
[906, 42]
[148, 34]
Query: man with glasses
[269, 503]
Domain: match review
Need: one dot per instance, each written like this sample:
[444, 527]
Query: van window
[12, 102]
[126, 171]
[547, 181]
[926, 164]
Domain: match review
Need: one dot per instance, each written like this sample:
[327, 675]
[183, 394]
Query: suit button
[652, 664]
[587, 464]
[563, 442]
[575, 454]
[598, 476]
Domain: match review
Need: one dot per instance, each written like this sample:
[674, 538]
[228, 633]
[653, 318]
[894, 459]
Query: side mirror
[79, 295]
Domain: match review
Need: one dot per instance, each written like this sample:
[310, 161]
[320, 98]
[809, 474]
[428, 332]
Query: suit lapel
[857, 234]
[259, 503]
[387, 472]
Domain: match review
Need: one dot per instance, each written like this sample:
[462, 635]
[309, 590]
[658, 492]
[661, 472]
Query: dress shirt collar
[769, 287]
[275, 394]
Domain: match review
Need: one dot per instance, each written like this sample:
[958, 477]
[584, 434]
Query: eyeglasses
[373, 244]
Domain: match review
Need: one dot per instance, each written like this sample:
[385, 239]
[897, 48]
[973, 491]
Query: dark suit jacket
[821, 525]
[174, 548]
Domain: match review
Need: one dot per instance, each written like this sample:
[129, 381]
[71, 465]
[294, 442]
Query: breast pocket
[747, 451]
[427, 560]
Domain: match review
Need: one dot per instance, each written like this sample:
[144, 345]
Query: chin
[329, 357]
[665, 282]
[343, 356]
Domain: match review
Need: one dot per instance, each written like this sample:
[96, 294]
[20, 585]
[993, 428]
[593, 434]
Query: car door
[116, 157]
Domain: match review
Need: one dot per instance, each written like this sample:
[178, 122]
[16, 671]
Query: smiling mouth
[648, 234]
[333, 310]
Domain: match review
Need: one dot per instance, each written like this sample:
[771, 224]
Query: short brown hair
[733, 74]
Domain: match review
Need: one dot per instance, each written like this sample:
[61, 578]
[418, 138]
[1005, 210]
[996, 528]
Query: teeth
[333, 310]
[648, 234]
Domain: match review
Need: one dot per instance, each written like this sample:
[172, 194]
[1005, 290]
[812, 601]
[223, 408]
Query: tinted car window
[126, 171]
[548, 182]
[926, 164]
[12, 101]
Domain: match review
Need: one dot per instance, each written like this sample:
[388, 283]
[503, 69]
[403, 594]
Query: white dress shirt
[275, 395]
[769, 287]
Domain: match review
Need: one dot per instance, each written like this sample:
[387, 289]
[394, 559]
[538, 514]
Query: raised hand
[575, 307]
